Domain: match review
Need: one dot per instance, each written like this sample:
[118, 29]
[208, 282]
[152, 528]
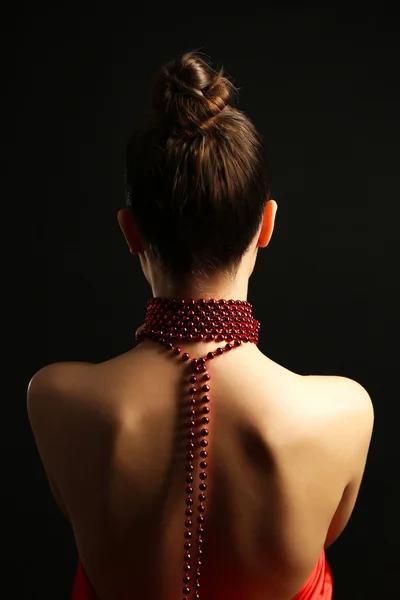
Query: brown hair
[196, 173]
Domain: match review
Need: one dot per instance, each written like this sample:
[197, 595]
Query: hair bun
[188, 93]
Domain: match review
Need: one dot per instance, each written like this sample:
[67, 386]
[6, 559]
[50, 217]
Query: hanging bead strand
[200, 320]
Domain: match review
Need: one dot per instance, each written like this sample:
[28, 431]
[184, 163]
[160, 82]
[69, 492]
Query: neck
[198, 289]
[218, 285]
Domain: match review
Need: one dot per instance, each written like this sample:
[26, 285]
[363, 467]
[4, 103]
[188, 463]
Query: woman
[188, 471]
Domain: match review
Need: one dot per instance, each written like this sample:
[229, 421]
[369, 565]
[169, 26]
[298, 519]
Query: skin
[287, 451]
[219, 286]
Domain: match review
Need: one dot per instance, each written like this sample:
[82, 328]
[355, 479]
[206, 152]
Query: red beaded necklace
[195, 320]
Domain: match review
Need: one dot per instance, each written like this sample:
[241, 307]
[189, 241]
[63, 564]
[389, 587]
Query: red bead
[177, 351]
[189, 500]
[206, 377]
[204, 454]
[193, 379]
[206, 388]
[220, 351]
[185, 356]
[204, 432]
[205, 409]
[203, 464]
[188, 523]
[205, 420]
[192, 390]
[188, 534]
[189, 512]
[200, 519]
[205, 399]
[187, 546]
[202, 476]
[210, 355]
[204, 443]
[201, 497]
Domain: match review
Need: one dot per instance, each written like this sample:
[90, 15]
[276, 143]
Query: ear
[130, 231]
[268, 223]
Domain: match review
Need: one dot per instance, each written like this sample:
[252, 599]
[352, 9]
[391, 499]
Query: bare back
[285, 465]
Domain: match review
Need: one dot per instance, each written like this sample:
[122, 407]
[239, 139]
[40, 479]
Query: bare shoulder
[321, 395]
[339, 400]
[343, 393]
[336, 430]
[348, 430]
[51, 393]
[51, 401]
[358, 417]
[347, 418]
[56, 377]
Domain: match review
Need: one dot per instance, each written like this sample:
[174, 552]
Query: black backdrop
[322, 86]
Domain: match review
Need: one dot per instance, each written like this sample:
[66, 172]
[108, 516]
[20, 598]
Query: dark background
[322, 86]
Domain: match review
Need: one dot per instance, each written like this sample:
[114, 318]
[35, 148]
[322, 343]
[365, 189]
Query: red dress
[317, 587]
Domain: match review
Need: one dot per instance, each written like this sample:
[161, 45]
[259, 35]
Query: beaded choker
[170, 319]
